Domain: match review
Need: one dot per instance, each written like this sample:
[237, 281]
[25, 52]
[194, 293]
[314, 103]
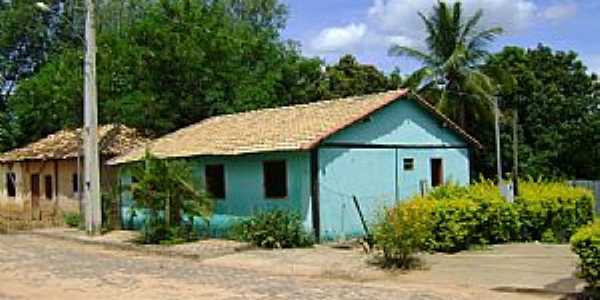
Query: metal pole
[497, 125]
[90, 140]
[515, 152]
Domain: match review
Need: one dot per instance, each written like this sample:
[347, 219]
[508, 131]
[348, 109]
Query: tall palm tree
[455, 50]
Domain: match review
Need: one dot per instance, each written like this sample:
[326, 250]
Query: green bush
[463, 217]
[72, 219]
[553, 206]
[586, 244]
[455, 224]
[273, 229]
[473, 215]
[404, 230]
[498, 220]
[155, 231]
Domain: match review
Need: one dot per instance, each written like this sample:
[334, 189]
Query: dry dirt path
[36, 267]
[33, 267]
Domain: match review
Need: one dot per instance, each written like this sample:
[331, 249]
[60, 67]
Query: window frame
[223, 180]
[405, 160]
[285, 179]
[11, 182]
[48, 192]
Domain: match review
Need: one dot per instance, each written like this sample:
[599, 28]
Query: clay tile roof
[298, 127]
[113, 140]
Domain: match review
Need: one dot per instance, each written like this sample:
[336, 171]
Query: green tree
[49, 101]
[173, 64]
[455, 49]
[168, 187]
[349, 78]
[558, 102]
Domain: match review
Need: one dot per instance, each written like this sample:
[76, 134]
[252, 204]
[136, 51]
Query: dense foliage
[586, 244]
[553, 207]
[558, 103]
[474, 215]
[273, 229]
[164, 190]
[166, 64]
[454, 218]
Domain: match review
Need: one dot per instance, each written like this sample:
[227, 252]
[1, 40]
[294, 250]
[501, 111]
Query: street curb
[138, 248]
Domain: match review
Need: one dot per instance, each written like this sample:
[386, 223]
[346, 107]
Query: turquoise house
[315, 158]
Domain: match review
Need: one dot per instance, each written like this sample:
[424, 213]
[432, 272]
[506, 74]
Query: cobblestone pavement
[34, 267]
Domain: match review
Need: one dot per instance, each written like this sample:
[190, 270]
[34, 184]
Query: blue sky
[366, 28]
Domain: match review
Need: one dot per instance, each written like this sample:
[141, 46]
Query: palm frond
[456, 61]
[481, 39]
[457, 20]
[417, 78]
[430, 27]
[480, 85]
[471, 24]
[398, 50]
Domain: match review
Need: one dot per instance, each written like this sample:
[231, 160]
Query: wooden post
[91, 158]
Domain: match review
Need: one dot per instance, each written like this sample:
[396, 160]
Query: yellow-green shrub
[460, 217]
[586, 244]
[476, 214]
[553, 206]
[455, 223]
[404, 230]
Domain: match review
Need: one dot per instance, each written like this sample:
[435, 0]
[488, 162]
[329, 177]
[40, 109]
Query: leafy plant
[273, 229]
[465, 217]
[455, 225]
[473, 215]
[586, 244]
[164, 191]
[72, 219]
[553, 206]
[548, 237]
[404, 230]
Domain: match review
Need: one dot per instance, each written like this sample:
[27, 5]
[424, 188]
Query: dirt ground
[37, 267]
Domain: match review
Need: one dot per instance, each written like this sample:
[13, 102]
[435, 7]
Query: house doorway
[437, 172]
[35, 197]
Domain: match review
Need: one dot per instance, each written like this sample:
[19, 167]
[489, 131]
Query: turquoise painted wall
[375, 175]
[244, 188]
[402, 122]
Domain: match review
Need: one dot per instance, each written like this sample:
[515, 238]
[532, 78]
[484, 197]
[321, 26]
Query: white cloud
[396, 22]
[560, 11]
[593, 63]
[336, 39]
[389, 22]
[400, 16]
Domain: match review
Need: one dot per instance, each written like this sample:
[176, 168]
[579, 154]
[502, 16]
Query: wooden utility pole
[515, 152]
[93, 207]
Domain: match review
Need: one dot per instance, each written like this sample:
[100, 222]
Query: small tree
[166, 186]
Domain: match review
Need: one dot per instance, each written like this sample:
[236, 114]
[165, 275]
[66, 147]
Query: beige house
[46, 176]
